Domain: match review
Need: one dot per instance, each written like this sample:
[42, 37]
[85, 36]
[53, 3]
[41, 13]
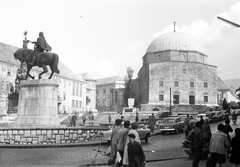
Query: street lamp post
[170, 107]
[229, 22]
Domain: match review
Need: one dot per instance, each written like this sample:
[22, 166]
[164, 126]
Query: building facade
[175, 69]
[71, 90]
[90, 92]
[110, 94]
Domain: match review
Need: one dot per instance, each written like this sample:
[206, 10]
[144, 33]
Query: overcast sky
[104, 37]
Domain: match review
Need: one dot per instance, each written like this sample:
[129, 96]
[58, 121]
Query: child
[136, 157]
[235, 152]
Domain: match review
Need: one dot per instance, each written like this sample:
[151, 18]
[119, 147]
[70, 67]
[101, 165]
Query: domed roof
[174, 41]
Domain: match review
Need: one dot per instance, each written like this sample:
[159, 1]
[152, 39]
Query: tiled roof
[174, 41]
[109, 80]
[6, 55]
[87, 77]
[221, 85]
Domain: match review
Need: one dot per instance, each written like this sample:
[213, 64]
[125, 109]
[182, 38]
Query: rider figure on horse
[39, 47]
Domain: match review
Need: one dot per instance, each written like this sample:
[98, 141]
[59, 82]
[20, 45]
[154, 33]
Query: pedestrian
[235, 152]
[121, 140]
[133, 130]
[84, 119]
[207, 134]
[109, 118]
[197, 145]
[74, 119]
[219, 144]
[136, 118]
[70, 119]
[152, 122]
[122, 118]
[114, 136]
[201, 120]
[187, 126]
[227, 129]
[135, 153]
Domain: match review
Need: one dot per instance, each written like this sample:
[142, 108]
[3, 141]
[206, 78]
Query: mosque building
[175, 70]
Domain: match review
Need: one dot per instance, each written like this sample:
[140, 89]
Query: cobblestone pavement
[165, 147]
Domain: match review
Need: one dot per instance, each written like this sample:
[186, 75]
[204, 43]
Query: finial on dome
[174, 26]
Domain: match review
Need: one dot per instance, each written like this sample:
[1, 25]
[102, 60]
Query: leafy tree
[225, 104]
[128, 93]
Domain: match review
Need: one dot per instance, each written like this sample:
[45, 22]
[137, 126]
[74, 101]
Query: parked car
[198, 117]
[219, 115]
[144, 134]
[211, 116]
[172, 124]
[192, 120]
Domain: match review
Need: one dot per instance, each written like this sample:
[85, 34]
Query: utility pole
[170, 107]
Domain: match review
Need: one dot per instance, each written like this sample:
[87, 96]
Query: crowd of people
[221, 145]
[126, 149]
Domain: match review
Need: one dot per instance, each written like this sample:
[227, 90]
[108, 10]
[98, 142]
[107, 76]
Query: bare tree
[128, 92]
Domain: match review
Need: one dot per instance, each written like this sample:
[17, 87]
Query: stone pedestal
[37, 105]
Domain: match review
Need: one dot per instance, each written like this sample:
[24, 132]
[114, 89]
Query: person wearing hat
[133, 130]
[136, 156]
[121, 140]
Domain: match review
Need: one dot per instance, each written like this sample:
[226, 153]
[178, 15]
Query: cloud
[220, 41]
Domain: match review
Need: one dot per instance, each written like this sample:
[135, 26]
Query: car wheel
[146, 138]
[163, 133]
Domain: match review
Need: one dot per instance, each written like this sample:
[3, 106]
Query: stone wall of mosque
[185, 79]
[50, 135]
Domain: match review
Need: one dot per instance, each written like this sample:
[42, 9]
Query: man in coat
[136, 157]
[152, 122]
[197, 144]
[121, 140]
[114, 149]
[74, 119]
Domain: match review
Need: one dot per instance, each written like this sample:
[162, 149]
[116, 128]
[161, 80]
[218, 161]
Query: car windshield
[168, 121]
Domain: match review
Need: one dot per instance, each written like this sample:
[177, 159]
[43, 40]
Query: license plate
[166, 127]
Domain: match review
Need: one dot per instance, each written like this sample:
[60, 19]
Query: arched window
[184, 70]
[161, 96]
[176, 83]
[205, 84]
[161, 83]
[205, 97]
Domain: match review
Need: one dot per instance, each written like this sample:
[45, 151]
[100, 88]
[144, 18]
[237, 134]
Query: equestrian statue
[38, 57]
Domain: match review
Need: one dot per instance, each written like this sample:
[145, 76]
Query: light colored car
[192, 120]
[198, 117]
[172, 124]
[144, 134]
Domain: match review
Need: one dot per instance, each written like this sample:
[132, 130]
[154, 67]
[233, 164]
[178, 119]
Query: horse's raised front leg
[28, 73]
[45, 70]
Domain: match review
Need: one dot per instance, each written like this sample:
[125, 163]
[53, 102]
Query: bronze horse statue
[44, 58]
